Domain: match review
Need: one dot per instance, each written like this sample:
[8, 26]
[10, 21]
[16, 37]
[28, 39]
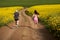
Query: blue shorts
[16, 19]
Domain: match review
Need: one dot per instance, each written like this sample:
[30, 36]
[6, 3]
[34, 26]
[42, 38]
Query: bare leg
[18, 22]
[36, 25]
[15, 22]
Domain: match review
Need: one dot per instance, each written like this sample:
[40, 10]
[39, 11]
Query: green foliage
[27, 3]
[28, 13]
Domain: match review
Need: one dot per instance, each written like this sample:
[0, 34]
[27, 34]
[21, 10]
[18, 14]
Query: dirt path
[27, 30]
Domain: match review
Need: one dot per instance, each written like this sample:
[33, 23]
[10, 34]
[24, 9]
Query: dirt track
[27, 30]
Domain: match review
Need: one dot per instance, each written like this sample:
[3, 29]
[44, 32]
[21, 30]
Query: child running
[16, 17]
[35, 17]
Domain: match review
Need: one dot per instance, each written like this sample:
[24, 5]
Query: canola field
[6, 14]
[49, 15]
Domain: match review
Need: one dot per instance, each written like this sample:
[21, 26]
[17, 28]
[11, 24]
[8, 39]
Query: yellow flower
[6, 13]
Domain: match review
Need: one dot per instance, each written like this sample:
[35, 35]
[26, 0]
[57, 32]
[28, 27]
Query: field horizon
[27, 3]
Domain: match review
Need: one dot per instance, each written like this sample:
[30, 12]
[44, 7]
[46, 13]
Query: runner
[16, 17]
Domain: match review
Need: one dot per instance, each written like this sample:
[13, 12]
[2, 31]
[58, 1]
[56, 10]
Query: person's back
[16, 15]
[35, 17]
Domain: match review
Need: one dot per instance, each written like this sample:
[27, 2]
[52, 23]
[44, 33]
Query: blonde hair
[16, 10]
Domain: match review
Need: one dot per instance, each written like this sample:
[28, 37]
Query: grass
[27, 3]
